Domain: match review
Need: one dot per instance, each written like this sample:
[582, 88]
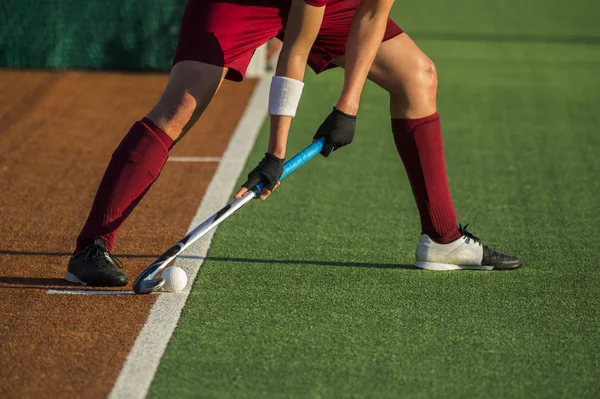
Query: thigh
[226, 33]
[396, 63]
[331, 41]
[407, 73]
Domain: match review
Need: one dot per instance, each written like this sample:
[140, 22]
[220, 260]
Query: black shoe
[498, 260]
[95, 266]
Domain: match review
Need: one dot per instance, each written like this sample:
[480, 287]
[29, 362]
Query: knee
[190, 88]
[429, 78]
[172, 113]
[423, 78]
[176, 110]
[416, 90]
[176, 104]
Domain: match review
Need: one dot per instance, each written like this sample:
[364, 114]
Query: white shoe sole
[71, 278]
[447, 266]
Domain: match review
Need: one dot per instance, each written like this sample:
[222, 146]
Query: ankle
[445, 237]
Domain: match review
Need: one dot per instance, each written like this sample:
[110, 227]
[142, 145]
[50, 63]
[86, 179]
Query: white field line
[141, 364]
[88, 292]
[194, 159]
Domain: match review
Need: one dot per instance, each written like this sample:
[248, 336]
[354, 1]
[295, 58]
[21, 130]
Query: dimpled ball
[175, 279]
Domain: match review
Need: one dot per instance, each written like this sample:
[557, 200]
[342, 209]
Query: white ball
[175, 279]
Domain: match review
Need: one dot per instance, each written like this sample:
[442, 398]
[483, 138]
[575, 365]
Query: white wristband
[284, 96]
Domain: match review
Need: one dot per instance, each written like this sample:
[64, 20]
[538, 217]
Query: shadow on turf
[313, 262]
[490, 37]
[222, 259]
[45, 283]
[31, 253]
[33, 282]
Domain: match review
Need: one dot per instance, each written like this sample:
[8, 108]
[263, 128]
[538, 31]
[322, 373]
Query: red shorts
[226, 32]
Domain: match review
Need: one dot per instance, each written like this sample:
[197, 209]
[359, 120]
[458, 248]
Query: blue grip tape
[296, 161]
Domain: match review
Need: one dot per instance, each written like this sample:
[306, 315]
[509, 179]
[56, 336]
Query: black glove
[269, 171]
[338, 130]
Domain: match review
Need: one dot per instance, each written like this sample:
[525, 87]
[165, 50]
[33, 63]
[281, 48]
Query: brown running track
[57, 132]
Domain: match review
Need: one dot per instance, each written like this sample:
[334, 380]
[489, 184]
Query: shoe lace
[467, 234]
[105, 259]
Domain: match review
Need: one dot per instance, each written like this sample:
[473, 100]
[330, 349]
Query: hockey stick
[147, 282]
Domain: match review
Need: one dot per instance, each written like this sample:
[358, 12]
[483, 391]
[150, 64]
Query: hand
[268, 171]
[338, 130]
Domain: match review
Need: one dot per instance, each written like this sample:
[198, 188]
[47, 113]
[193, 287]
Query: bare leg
[409, 76]
[191, 87]
[139, 159]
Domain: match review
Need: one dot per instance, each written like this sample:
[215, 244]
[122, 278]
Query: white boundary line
[88, 292]
[141, 364]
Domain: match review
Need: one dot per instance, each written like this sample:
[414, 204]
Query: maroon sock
[421, 147]
[134, 166]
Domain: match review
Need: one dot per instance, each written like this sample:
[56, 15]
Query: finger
[327, 149]
[276, 185]
[240, 193]
[253, 180]
[265, 194]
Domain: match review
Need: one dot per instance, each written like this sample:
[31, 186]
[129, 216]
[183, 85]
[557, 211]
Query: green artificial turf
[311, 293]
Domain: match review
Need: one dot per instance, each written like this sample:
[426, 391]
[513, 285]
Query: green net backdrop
[89, 34]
